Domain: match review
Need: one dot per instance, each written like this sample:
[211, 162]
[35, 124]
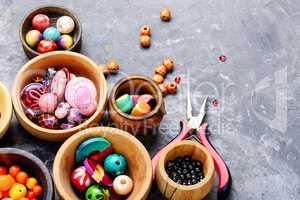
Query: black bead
[184, 171]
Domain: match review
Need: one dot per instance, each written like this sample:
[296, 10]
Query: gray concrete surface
[256, 126]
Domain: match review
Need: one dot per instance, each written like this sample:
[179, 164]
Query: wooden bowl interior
[139, 164]
[53, 13]
[5, 109]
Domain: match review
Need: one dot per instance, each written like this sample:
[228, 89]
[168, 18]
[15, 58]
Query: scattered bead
[157, 78]
[124, 103]
[80, 179]
[215, 103]
[161, 70]
[46, 46]
[51, 33]
[168, 63]
[113, 66]
[123, 185]
[65, 41]
[172, 88]
[141, 108]
[40, 22]
[115, 164]
[222, 58]
[145, 30]
[163, 88]
[177, 80]
[33, 37]
[145, 41]
[65, 24]
[96, 192]
[165, 14]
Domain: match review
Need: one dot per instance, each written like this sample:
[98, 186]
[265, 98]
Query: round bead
[46, 46]
[6, 182]
[124, 103]
[62, 110]
[115, 164]
[2, 171]
[161, 70]
[37, 190]
[31, 94]
[80, 179]
[123, 185]
[141, 108]
[22, 177]
[157, 78]
[40, 22]
[172, 88]
[65, 24]
[14, 170]
[31, 182]
[48, 102]
[163, 88]
[33, 37]
[51, 33]
[113, 66]
[17, 191]
[145, 41]
[168, 63]
[145, 30]
[165, 14]
[47, 121]
[74, 116]
[65, 41]
[88, 108]
[96, 192]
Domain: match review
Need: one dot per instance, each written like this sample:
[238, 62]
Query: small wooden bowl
[139, 162]
[175, 191]
[30, 164]
[5, 110]
[136, 85]
[78, 64]
[53, 12]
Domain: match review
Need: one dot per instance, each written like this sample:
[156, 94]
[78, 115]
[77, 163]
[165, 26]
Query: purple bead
[74, 116]
[66, 126]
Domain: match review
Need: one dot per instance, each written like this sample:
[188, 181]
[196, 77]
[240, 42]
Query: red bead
[41, 22]
[177, 79]
[30, 195]
[46, 46]
[80, 179]
[31, 93]
[3, 171]
[222, 58]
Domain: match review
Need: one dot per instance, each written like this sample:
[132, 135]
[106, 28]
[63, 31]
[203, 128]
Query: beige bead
[168, 63]
[158, 78]
[161, 70]
[123, 185]
[145, 30]
[165, 14]
[145, 41]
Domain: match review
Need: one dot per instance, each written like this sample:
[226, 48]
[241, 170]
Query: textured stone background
[256, 126]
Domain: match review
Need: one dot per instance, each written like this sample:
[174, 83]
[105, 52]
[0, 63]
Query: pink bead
[48, 102]
[88, 108]
[135, 98]
[59, 82]
[62, 110]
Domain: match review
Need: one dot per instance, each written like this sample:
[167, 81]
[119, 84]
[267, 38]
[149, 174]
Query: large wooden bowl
[53, 12]
[32, 165]
[5, 110]
[139, 162]
[175, 191]
[133, 124]
[77, 63]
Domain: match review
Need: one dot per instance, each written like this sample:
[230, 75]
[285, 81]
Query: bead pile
[59, 100]
[100, 172]
[136, 105]
[185, 170]
[45, 38]
[17, 185]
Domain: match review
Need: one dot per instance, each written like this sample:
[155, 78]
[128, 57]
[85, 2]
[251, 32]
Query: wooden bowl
[32, 165]
[139, 162]
[175, 191]
[5, 110]
[77, 63]
[133, 124]
[53, 12]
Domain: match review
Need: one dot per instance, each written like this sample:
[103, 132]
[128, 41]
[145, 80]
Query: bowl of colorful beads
[5, 110]
[102, 163]
[59, 93]
[23, 176]
[50, 28]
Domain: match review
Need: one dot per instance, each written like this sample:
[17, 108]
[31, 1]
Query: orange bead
[163, 88]
[161, 70]
[168, 63]
[113, 66]
[172, 88]
[165, 14]
[141, 108]
[37, 190]
[145, 41]
[31, 182]
[5, 183]
[157, 78]
[145, 30]
[14, 170]
[22, 177]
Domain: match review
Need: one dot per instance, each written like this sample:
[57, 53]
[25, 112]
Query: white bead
[123, 185]
[65, 24]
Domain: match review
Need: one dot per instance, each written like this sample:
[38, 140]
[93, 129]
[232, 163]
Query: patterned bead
[80, 179]
[47, 121]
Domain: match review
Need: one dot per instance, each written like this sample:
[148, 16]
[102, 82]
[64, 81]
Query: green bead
[96, 192]
[115, 164]
[125, 103]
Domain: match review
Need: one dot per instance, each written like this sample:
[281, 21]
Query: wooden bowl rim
[7, 115]
[136, 77]
[209, 175]
[38, 162]
[79, 135]
[20, 112]
[74, 17]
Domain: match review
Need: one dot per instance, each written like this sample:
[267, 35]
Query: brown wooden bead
[163, 88]
[113, 66]
[168, 63]
[162, 70]
[165, 14]
[172, 88]
[145, 30]
[158, 78]
[145, 41]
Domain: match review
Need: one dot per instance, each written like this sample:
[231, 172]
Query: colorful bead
[177, 79]
[32, 114]
[165, 14]
[65, 24]
[97, 172]
[40, 22]
[80, 179]
[115, 164]
[14, 170]
[123, 185]
[47, 121]
[37, 190]
[135, 99]
[17, 191]
[46, 46]
[88, 108]
[51, 33]
[96, 192]
[74, 116]
[141, 108]
[31, 94]
[2, 171]
[48, 102]
[124, 103]
[59, 82]
[65, 41]
[33, 37]
[62, 110]
[6, 182]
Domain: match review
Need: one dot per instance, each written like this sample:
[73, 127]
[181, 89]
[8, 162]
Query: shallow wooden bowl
[53, 12]
[78, 64]
[136, 85]
[30, 164]
[175, 191]
[139, 162]
[5, 110]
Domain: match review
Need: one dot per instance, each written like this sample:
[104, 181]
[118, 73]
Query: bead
[17, 191]
[79, 91]
[124, 103]
[14, 170]
[33, 37]
[141, 108]
[222, 58]
[51, 33]
[59, 82]
[88, 108]
[161, 70]
[157, 78]
[123, 185]
[30, 195]
[37, 190]
[32, 114]
[2, 171]
[6, 182]
[62, 110]
[163, 88]
[65, 41]
[65, 24]
[47, 121]
[38, 79]
[165, 14]
[96, 192]
[115, 164]
[168, 63]
[31, 94]
[46, 46]
[48, 102]
[97, 172]
[40, 22]
[145, 30]
[50, 73]
[66, 126]
[134, 99]
[22, 177]
[80, 179]
[31, 182]
[74, 116]
[177, 79]
[146, 98]
[172, 88]
[96, 144]
[145, 41]
[113, 66]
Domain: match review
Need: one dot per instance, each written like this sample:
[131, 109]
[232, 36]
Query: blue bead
[51, 33]
[115, 164]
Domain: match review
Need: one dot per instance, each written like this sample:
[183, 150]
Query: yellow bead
[17, 191]
[31, 182]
